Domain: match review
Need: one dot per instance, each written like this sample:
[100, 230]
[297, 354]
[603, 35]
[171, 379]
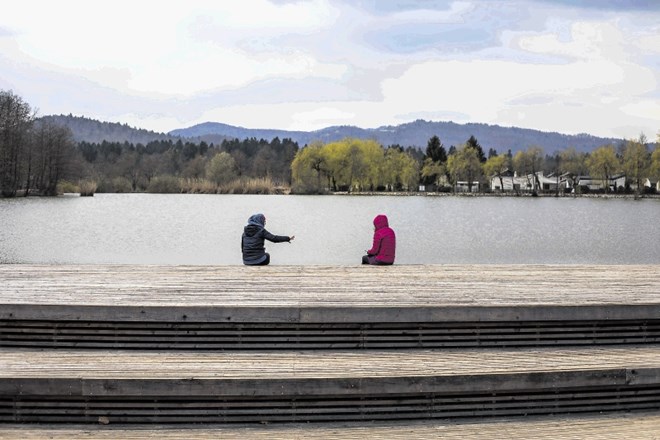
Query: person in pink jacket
[384, 246]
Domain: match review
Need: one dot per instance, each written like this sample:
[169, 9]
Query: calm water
[206, 229]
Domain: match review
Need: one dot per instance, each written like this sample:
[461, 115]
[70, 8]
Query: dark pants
[261, 263]
[371, 259]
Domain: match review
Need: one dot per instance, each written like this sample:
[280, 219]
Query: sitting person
[252, 241]
[384, 246]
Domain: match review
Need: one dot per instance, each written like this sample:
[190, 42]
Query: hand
[291, 238]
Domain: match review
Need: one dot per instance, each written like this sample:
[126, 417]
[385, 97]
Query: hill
[417, 134]
[414, 134]
[90, 130]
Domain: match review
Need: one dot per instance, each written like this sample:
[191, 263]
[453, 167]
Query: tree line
[34, 155]
[167, 166]
[38, 156]
[364, 165]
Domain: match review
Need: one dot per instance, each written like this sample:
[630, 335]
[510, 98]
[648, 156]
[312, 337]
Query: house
[648, 183]
[462, 186]
[509, 181]
[615, 183]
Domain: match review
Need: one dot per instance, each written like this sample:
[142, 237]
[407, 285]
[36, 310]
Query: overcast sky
[305, 65]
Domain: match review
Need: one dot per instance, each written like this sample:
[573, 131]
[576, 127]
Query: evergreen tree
[436, 151]
[473, 143]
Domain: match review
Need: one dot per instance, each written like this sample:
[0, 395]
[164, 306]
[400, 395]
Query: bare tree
[16, 118]
[53, 157]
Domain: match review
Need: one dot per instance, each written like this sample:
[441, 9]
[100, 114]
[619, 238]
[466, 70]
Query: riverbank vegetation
[40, 157]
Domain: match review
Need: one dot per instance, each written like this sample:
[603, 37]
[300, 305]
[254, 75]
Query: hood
[257, 220]
[380, 221]
[255, 224]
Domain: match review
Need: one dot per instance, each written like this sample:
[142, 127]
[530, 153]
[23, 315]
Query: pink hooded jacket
[384, 241]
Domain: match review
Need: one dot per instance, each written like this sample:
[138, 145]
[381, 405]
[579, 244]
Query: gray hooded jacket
[252, 241]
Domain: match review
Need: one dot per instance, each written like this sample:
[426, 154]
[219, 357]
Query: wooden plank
[100, 364]
[422, 285]
[640, 426]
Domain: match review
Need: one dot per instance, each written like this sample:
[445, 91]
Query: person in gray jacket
[252, 241]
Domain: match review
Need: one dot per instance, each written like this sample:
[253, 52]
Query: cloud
[614, 5]
[306, 64]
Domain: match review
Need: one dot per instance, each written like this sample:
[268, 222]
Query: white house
[509, 181]
[648, 183]
[595, 184]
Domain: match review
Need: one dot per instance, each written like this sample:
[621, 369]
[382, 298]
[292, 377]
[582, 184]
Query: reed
[165, 185]
[198, 186]
[254, 185]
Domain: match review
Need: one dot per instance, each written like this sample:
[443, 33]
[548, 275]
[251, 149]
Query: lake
[206, 229]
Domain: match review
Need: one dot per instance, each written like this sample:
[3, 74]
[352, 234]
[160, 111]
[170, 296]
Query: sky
[590, 66]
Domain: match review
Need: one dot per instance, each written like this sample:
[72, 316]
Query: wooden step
[318, 307]
[242, 387]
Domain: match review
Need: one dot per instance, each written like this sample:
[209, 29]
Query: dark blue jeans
[371, 259]
[261, 263]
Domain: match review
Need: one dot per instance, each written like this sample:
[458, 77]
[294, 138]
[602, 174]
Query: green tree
[221, 168]
[573, 163]
[400, 170]
[308, 167]
[433, 172]
[374, 157]
[527, 163]
[654, 169]
[474, 143]
[636, 161]
[464, 164]
[496, 166]
[603, 163]
[346, 163]
[435, 150]
[434, 164]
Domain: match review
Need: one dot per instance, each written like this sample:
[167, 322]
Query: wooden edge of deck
[346, 386]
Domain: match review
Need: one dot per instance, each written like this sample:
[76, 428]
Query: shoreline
[389, 194]
[482, 194]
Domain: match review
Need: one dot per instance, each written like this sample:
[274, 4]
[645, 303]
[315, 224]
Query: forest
[38, 156]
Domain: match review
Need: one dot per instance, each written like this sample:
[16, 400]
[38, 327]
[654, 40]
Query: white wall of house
[525, 183]
[597, 184]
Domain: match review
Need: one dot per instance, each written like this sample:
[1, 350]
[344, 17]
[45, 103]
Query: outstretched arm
[277, 238]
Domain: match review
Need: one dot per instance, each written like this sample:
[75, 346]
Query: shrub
[87, 188]
[66, 187]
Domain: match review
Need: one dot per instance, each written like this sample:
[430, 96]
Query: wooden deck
[327, 286]
[199, 344]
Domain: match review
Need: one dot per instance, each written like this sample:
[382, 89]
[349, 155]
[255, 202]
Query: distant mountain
[91, 130]
[416, 134]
